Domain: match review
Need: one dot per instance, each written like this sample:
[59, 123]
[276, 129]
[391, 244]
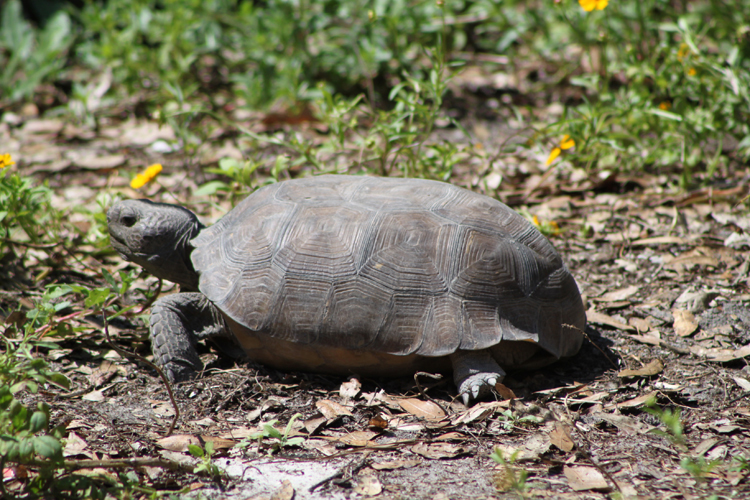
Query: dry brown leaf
[617, 295]
[286, 492]
[684, 322]
[633, 403]
[350, 389]
[451, 436]
[355, 438]
[93, 396]
[178, 442]
[331, 409]
[627, 425]
[422, 409]
[436, 451]
[75, 445]
[653, 368]
[312, 425]
[396, 464]
[504, 392]
[368, 485]
[743, 383]
[100, 162]
[479, 411]
[659, 240]
[722, 355]
[560, 437]
[585, 478]
[602, 319]
[378, 422]
[646, 339]
[103, 373]
[640, 324]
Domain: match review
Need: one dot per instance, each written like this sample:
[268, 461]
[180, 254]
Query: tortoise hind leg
[177, 323]
[475, 373]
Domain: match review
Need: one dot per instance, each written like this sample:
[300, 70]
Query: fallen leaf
[286, 492]
[602, 319]
[422, 409]
[102, 373]
[504, 392]
[684, 322]
[437, 451]
[660, 240]
[653, 368]
[331, 409]
[585, 478]
[560, 437]
[93, 396]
[396, 464]
[633, 403]
[378, 422]
[705, 445]
[75, 445]
[743, 383]
[350, 389]
[646, 339]
[640, 324]
[721, 355]
[355, 438]
[627, 425]
[479, 411]
[100, 162]
[618, 295]
[312, 425]
[368, 485]
[178, 442]
[534, 447]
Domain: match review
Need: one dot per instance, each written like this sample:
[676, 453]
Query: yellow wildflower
[6, 161]
[547, 228]
[147, 176]
[589, 5]
[565, 143]
[683, 51]
[692, 72]
[665, 106]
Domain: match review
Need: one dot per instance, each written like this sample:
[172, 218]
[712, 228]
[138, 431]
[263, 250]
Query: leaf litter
[669, 321]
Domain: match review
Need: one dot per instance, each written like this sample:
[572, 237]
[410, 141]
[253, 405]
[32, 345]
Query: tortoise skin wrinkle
[376, 276]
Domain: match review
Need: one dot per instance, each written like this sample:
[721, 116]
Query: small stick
[138, 357]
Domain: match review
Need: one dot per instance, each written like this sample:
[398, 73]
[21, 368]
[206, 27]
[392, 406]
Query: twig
[586, 335]
[346, 472]
[138, 357]
[112, 463]
[153, 298]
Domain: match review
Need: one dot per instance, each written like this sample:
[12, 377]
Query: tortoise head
[157, 237]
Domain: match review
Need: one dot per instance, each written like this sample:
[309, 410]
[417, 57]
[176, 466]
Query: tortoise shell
[319, 271]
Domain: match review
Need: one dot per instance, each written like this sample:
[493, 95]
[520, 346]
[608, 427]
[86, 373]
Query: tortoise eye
[128, 220]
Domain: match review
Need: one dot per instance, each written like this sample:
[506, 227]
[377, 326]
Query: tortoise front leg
[475, 373]
[177, 323]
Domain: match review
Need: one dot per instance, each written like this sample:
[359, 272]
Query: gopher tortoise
[357, 275]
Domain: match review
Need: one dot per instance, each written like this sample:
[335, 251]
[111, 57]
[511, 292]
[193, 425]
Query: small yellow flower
[147, 176]
[590, 5]
[665, 106]
[692, 72]
[565, 143]
[683, 51]
[6, 161]
[547, 228]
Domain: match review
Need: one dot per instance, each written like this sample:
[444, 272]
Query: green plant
[207, 465]
[30, 57]
[24, 207]
[509, 477]
[25, 433]
[511, 419]
[698, 467]
[282, 440]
